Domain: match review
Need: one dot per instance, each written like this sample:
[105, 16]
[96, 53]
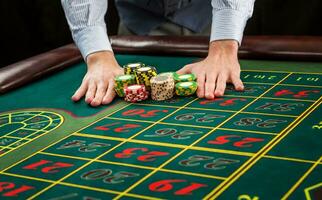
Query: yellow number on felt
[318, 126]
[247, 197]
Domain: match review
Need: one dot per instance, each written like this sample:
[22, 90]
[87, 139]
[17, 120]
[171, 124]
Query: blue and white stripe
[86, 22]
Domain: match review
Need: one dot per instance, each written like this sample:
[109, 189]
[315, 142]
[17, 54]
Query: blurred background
[30, 27]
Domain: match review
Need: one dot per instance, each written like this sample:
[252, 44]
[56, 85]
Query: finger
[80, 92]
[185, 70]
[90, 94]
[110, 94]
[238, 84]
[100, 93]
[201, 85]
[210, 86]
[221, 85]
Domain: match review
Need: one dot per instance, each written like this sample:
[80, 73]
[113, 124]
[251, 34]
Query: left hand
[218, 68]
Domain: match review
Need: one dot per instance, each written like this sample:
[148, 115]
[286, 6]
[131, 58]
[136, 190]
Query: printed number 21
[52, 168]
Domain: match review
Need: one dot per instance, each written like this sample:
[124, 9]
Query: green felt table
[263, 143]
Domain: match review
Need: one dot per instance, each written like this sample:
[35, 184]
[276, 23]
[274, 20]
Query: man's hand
[98, 83]
[218, 68]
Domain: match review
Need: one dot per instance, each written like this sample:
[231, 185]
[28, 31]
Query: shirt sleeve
[86, 22]
[229, 18]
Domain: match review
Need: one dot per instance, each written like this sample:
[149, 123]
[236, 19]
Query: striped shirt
[86, 22]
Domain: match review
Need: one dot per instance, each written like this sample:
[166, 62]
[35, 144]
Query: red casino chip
[135, 93]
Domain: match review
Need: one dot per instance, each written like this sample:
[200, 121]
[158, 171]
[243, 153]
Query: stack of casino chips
[144, 74]
[121, 81]
[130, 68]
[135, 93]
[186, 84]
[162, 87]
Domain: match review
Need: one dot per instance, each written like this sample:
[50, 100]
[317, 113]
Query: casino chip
[135, 93]
[186, 88]
[184, 77]
[130, 68]
[121, 81]
[144, 74]
[162, 87]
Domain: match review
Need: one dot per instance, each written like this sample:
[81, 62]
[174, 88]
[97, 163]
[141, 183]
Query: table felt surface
[263, 143]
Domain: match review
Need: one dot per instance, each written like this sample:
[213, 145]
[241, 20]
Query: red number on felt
[206, 102]
[167, 185]
[127, 153]
[148, 157]
[151, 156]
[227, 102]
[244, 142]
[126, 127]
[121, 129]
[142, 112]
[49, 169]
[106, 126]
[15, 192]
[222, 139]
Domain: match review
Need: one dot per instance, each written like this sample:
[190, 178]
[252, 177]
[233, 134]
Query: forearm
[86, 21]
[229, 19]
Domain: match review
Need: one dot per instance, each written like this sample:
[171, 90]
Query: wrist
[101, 57]
[223, 47]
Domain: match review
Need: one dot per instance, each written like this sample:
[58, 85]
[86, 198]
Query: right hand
[98, 83]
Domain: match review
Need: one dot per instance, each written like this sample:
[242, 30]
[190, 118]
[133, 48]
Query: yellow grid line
[289, 159]
[75, 185]
[247, 131]
[60, 117]
[307, 190]
[136, 166]
[283, 84]
[273, 98]
[193, 126]
[201, 138]
[98, 157]
[221, 110]
[254, 70]
[13, 137]
[164, 144]
[292, 189]
[242, 170]
[9, 118]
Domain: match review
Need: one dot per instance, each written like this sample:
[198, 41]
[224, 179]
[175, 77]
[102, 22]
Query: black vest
[141, 16]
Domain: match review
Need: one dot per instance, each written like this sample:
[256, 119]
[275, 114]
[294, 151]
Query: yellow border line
[289, 159]
[243, 169]
[56, 142]
[283, 84]
[304, 73]
[292, 189]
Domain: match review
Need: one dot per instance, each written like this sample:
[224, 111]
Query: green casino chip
[184, 77]
[186, 88]
[121, 82]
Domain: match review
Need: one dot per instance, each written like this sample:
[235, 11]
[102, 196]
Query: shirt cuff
[92, 39]
[228, 24]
